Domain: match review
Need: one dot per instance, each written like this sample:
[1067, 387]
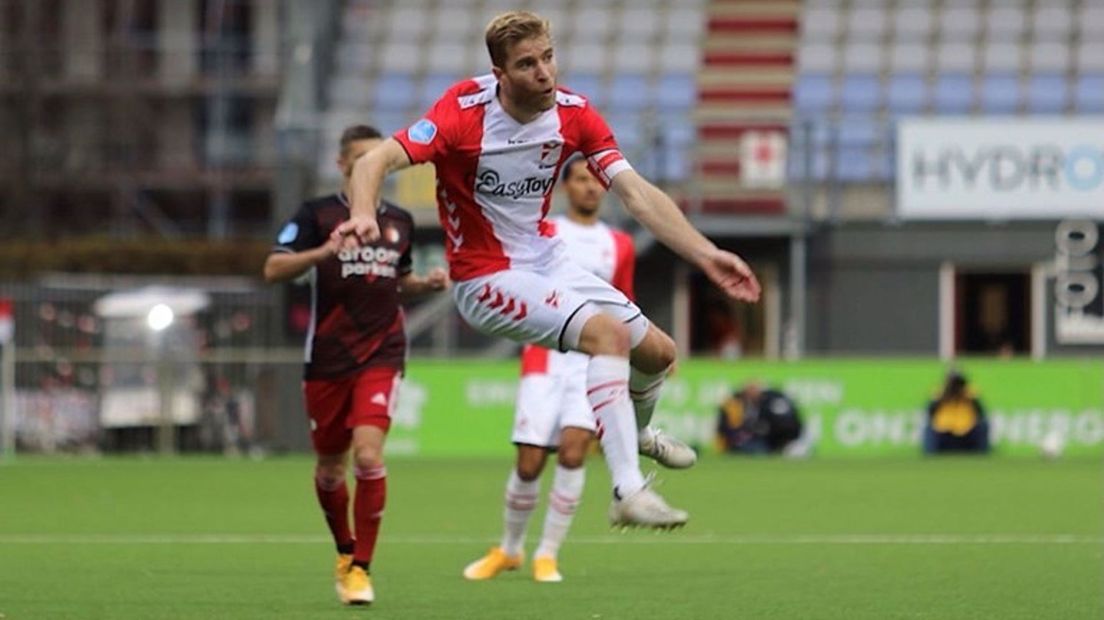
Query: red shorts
[336, 406]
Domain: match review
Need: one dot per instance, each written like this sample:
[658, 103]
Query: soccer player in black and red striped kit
[356, 350]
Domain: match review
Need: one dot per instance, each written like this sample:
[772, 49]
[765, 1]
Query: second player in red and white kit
[498, 142]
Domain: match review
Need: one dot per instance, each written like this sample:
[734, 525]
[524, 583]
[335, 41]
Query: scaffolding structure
[137, 117]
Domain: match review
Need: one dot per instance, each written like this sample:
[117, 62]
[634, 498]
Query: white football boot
[645, 508]
[665, 449]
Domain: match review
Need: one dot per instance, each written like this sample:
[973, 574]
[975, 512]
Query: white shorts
[548, 402]
[536, 307]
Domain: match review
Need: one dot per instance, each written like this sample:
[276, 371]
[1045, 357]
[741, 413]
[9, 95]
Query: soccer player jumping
[356, 353]
[498, 142]
[552, 411]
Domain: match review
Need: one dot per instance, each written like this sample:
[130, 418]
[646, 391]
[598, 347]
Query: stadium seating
[862, 64]
[635, 60]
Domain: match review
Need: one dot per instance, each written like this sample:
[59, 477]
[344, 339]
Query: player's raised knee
[656, 353]
[605, 335]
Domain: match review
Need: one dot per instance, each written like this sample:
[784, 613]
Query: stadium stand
[682, 82]
[637, 61]
[941, 57]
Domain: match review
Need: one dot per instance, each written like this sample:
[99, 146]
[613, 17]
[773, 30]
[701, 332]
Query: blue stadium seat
[676, 92]
[588, 85]
[860, 93]
[1089, 93]
[675, 164]
[953, 93]
[813, 93]
[1047, 93]
[394, 91]
[1000, 94]
[822, 163]
[817, 132]
[678, 131]
[433, 86]
[857, 132]
[853, 164]
[906, 93]
[627, 128]
[388, 122]
[808, 148]
[629, 92]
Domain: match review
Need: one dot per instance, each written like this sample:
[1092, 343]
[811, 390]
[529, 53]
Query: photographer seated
[956, 420]
[755, 420]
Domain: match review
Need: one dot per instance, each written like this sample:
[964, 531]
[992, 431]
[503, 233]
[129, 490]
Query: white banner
[763, 159]
[1009, 168]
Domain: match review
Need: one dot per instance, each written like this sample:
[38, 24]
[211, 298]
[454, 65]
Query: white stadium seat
[959, 23]
[956, 56]
[1001, 57]
[814, 57]
[910, 57]
[1051, 56]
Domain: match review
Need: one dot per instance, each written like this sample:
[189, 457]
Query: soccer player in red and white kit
[552, 411]
[498, 141]
[356, 352]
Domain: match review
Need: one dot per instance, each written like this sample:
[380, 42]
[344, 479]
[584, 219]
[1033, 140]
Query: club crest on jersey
[550, 154]
[288, 233]
[391, 234]
[422, 132]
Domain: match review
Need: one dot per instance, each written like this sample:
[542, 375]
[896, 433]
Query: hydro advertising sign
[1000, 169]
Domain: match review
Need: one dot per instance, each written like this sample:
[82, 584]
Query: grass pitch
[210, 538]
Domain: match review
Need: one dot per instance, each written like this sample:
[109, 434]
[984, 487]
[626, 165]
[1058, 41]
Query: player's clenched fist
[437, 279]
[358, 230]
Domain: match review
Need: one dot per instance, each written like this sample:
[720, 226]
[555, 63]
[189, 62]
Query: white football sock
[563, 499]
[607, 389]
[521, 498]
[644, 389]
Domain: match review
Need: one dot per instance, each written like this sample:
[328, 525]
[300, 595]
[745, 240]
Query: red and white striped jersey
[607, 253]
[495, 175]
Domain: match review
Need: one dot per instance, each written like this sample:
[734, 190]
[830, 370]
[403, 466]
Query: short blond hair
[509, 28]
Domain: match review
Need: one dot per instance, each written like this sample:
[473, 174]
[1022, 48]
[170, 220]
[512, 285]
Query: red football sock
[334, 500]
[371, 494]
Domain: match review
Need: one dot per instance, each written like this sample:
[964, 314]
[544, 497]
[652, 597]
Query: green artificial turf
[210, 538]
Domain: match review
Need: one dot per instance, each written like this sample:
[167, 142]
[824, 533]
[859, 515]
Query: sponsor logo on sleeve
[422, 132]
[288, 233]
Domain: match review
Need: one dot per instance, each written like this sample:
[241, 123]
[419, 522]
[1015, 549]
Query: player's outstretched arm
[284, 266]
[659, 214]
[364, 189]
[412, 285]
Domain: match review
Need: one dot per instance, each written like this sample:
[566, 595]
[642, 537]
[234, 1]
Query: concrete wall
[874, 287]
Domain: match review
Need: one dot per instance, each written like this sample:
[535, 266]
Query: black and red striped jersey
[356, 318]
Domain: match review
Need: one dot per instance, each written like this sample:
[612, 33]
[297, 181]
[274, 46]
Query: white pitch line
[614, 539]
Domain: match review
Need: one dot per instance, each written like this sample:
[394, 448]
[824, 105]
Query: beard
[538, 101]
